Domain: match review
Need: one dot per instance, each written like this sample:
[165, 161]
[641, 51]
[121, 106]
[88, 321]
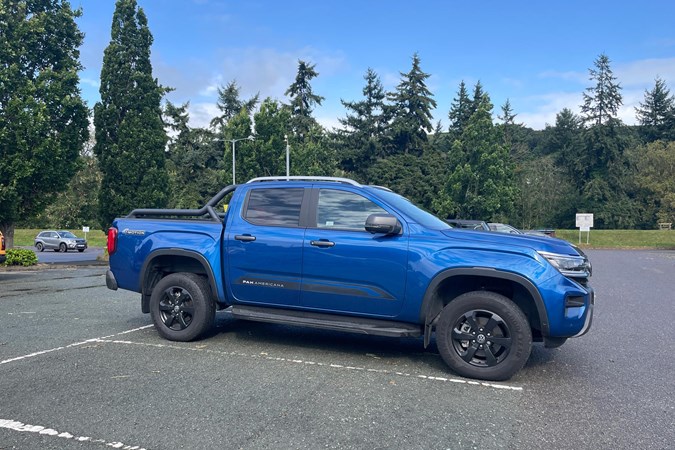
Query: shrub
[21, 257]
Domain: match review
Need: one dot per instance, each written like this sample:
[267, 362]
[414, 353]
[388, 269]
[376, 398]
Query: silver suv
[59, 241]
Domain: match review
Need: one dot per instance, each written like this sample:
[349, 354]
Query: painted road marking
[266, 356]
[39, 429]
[76, 344]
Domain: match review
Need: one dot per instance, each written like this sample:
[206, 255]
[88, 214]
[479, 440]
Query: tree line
[143, 152]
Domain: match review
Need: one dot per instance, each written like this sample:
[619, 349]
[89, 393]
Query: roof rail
[302, 178]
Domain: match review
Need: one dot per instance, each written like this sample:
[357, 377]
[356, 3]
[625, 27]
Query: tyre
[40, 247]
[484, 335]
[62, 247]
[80, 250]
[181, 307]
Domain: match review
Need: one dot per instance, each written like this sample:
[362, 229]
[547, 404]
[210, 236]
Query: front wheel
[181, 307]
[63, 248]
[484, 335]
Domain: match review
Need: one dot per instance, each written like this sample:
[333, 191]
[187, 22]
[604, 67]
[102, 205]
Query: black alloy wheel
[181, 306]
[176, 308]
[484, 335]
[481, 338]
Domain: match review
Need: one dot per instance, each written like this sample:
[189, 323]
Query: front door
[346, 268]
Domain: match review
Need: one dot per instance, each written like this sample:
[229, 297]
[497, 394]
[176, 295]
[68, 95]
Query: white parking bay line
[76, 344]
[26, 428]
[332, 366]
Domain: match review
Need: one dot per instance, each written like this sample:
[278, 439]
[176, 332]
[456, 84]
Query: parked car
[468, 224]
[59, 241]
[505, 228]
[3, 255]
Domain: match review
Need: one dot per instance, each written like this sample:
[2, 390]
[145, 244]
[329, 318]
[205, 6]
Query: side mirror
[383, 224]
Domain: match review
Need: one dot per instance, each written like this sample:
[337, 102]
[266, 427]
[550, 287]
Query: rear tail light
[112, 240]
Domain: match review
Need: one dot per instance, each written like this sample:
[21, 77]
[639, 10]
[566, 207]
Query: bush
[21, 257]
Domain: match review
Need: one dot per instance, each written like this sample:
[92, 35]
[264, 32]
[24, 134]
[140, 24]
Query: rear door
[346, 268]
[264, 247]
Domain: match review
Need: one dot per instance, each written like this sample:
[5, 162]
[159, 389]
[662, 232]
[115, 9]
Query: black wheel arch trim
[145, 271]
[432, 304]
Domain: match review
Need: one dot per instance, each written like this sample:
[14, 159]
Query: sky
[537, 53]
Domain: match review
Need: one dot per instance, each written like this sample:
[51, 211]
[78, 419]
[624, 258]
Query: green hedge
[21, 257]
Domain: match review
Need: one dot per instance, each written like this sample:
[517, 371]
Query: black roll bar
[203, 211]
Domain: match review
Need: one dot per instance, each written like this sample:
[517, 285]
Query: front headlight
[568, 265]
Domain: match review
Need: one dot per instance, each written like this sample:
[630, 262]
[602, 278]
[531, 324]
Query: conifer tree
[460, 111]
[412, 104]
[303, 99]
[230, 104]
[130, 136]
[601, 101]
[657, 113]
[365, 124]
[481, 183]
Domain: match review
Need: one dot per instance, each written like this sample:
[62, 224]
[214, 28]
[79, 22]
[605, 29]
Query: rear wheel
[40, 247]
[181, 307]
[484, 335]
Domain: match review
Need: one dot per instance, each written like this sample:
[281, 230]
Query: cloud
[541, 110]
[202, 113]
[642, 73]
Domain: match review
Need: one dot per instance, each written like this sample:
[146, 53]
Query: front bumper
[589, 313]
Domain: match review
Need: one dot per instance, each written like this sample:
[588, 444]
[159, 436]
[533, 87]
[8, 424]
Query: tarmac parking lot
[82, 367]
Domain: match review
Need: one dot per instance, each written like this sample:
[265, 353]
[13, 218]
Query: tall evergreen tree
[460, 111]
[43, 119]
[364, 127]
[564, 142]
[130, 136]
[303, 99]
[230, 104]
[411, 105]
[481, 183]
[657, 113]
[601, 101]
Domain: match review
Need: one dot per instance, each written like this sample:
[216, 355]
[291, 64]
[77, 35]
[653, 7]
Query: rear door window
[274, 207]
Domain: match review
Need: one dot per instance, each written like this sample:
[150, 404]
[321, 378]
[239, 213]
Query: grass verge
[24, 237]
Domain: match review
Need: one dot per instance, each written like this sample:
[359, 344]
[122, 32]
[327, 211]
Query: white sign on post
[585, 223]
[85, 230]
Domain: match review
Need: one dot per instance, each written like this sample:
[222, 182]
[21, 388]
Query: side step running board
[326, 321]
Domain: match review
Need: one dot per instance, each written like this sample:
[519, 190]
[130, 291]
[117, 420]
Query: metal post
[288, 158]
[234, 162]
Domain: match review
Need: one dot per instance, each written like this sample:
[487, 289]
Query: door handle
[244, 238]
[322, 243]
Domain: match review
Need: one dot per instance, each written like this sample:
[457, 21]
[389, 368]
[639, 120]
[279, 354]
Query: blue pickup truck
[331, 253]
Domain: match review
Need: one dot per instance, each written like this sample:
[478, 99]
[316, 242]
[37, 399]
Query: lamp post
[234, 161]
[288, 157]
